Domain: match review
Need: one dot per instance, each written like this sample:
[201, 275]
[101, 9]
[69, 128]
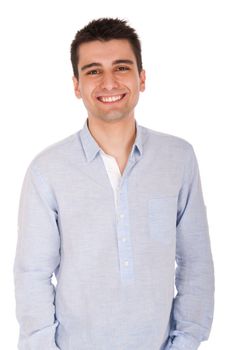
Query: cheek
[86, 92]
[134, 84]
[135, 89]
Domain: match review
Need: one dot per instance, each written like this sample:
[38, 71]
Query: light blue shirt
[114, 265]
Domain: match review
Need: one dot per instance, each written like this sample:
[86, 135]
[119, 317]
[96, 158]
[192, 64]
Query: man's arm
[194, 303]
[37, 257]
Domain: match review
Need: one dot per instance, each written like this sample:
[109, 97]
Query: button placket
[123, 234]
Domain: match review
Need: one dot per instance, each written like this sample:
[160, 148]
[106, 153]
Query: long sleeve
[37, 257]
[194, 303]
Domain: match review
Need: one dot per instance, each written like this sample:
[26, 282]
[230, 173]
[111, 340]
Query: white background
[187, 54]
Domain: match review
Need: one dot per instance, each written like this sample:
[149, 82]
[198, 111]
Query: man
[109, 210]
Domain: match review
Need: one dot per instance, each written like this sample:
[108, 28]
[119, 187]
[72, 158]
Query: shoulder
[54, 156]
[167, 141]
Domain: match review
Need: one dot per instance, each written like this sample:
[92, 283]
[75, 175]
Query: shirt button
[124, 239]
[121, 216]
[126, 263]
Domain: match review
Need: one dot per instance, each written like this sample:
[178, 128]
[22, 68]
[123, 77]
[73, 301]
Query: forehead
[100, 51]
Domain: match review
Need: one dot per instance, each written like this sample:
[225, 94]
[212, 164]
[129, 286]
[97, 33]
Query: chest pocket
[162, 212]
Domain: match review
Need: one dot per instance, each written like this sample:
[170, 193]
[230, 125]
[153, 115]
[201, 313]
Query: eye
[123, 68]
[93, 72]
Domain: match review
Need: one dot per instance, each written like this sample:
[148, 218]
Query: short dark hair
[105, 29]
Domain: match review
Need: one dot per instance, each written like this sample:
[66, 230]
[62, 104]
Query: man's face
[109, 82]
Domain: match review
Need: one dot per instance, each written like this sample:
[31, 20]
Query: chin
[113, 117]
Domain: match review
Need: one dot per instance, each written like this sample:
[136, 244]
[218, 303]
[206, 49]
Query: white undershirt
[113, 172]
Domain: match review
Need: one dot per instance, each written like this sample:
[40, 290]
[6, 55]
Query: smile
[111, 99]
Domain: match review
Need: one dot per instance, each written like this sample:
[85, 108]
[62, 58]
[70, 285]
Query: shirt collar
[91, 147]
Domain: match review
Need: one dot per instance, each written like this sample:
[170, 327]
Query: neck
[115, 138]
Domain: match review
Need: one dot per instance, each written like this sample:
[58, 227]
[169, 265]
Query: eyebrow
[96, 64]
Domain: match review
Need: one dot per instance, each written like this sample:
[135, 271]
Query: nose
[109, 81]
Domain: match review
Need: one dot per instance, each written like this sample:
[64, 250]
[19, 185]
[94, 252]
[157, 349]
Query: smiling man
[110, 210]
[109, 81]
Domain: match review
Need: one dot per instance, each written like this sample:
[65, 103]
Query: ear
[76, 87]
[142, 77]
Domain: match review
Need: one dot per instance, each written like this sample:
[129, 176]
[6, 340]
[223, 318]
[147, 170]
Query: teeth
[111, 99]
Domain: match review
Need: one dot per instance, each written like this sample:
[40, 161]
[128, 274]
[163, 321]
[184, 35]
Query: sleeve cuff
[183, 342]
